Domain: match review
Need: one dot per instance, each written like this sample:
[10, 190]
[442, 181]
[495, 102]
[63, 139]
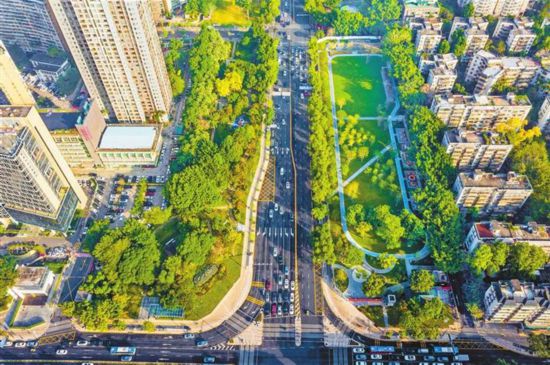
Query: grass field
[226, 13]
[358, 82]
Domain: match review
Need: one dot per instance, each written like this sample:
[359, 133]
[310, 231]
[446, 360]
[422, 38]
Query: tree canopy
[423, 319]
[422, 281]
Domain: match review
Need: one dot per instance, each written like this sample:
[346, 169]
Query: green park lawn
[227, 13]
[358, 82]
[380, 131]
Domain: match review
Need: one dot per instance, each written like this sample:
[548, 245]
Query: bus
[382, 349]
[123, 350]
[445, 350]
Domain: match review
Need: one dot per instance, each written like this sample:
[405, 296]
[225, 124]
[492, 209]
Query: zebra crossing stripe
[254, 300]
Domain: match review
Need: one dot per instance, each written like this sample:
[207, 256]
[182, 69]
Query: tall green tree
[458, 42]
[374, 286]
[422, 281]
[525, 259]
[7, 278]
[388, 226]
[425, 319]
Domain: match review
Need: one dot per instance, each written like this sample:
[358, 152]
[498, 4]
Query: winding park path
[341, 183]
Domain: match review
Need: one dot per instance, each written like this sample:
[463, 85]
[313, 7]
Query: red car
[267, 285]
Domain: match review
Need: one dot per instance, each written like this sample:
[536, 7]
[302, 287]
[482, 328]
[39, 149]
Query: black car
[286, 295]
[273, 297]
[267, 308]
[280, 297]
[285, 307]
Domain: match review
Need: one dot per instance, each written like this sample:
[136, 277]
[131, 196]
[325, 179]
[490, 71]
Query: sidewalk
[238, 293]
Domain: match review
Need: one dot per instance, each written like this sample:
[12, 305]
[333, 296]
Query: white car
[410, 357]
[288, 184]
[292, 297]
[276, 207]
[61, 352]
[292, 285]
[282, 171]
[271, 213]
[82, 343]
[376, 357]
[291, 310]
[20, 344]
[283, 121]
[286, 284]
[358, 350]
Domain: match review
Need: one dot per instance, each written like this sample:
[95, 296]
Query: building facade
[475, 32]
[428, 36]
[479, 112]
[117, 51]
[497, 7]
[516, 302]
[420, 9]
[491, 194]
[441, 80]
[77, 134]
[485, 70]
[11, 83]
[37, 185]
[493, 231]
[544, 115]
[28, 24]
[470, 150]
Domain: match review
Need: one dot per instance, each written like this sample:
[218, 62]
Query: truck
[123, 350]
[461, 357]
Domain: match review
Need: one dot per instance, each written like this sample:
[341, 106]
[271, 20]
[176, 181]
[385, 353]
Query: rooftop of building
[480, 179]
[475, 137]
[514, 291]
[483, 100]
[45, 59]
[531, 231]
[29, 277]
[443, 70]
[129, 137]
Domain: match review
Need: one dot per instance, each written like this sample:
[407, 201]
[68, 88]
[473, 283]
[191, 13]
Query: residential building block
[491, 194]
[470, 150]
[479, 112]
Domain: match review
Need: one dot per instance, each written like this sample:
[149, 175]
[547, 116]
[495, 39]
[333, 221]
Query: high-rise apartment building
[441, 79]
[479, 112]
[497, 7]
[11, 84]
[447, 60]
[27, 23]
[37, 186]
[117, 51]
[486, 69]
[470, 150]
[491, 194]
[475, 32]
[516, 302]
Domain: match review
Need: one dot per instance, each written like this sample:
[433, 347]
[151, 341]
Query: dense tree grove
[399, 48]
[174, 72]
[422, 281]
[435, 200]
[423, 319]
[7, 279]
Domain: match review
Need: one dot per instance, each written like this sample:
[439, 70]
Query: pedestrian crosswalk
[248, 355]
[279, 331]
[275, 231]
[238, 322]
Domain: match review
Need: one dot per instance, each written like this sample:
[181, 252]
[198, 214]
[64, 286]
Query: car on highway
[291, 297]
[286, 269]
[20, 344]
[376, 357]
[276, 207]
[286, 284]
[268, 284]
[429, 358]
[275, 251]
[201, 342]
[280, 280]
[410, 357]
[291, 310]
[32, 343]
[280, 296]
[189, 336]
[280, 310]
[286, 296]
[282, 171]
[292, 286]
[358, 350]
[271, 213]
[126, 358]
[285, 307]
[274, 309]
[274, 297]
[365, 363]
[208, 360]
[81, 343]
[61, 352]
[360, 356]
[288, 184]
[266, 308]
